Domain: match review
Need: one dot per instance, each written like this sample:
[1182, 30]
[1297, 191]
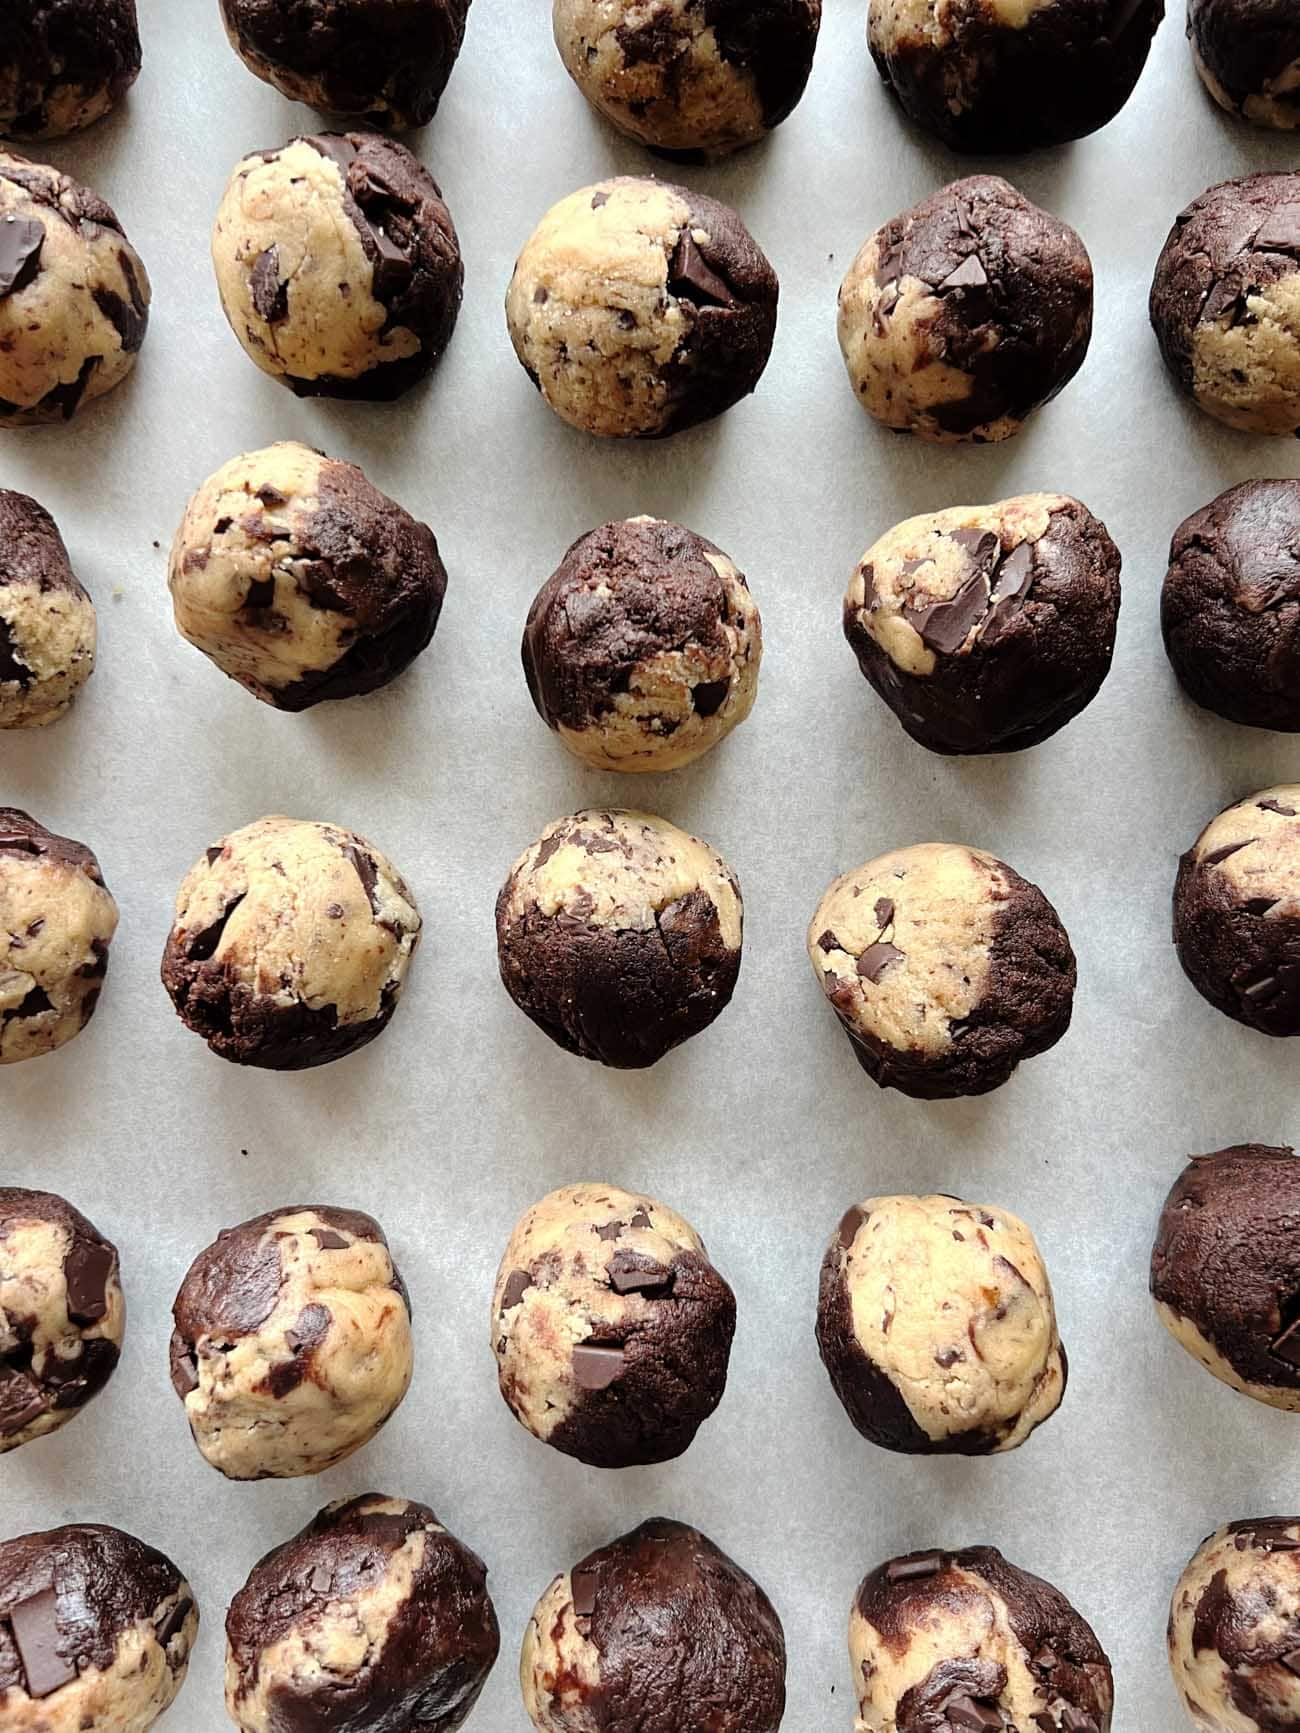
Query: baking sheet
[763, 1129]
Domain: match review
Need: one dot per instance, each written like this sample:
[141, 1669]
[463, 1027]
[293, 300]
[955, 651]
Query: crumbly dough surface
[1259, 848]
[47, 621]
[1234, 1629]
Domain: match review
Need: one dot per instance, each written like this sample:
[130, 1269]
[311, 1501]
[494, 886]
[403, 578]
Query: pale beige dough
[56, 924]
[559, 1667]
[893, 24]
[1266, 1588]
[1269, 863]
[53, 632]
[1247, 374]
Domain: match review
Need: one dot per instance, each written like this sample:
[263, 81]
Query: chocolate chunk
[1280, 230]
[20, 1401]
[259, 595]
[21, 240]
[367, 872]
[915, 1567]
[877, 958]
[309, 1329]
[944, 626]
[828, 941]
[610, 1230]
[1277, 807]
[86, 1271]
[269, 295]
[517, 1285]
[692, 279]
[709, 696]
[632, 1273]
[184, 1367]
[970, 274]
[34, 1623]
[884, 911]
[850, 1222]
[584, 1582]
[173, 1621]
[596, 1367]
[965, 1712]
[1217, 856]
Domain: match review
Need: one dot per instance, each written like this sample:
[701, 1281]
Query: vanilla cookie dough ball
[987, 628]
[292, 1344]
[384, 63]
[291, 944]
[689, 81]
[62, 1314]
[301, 580]
[47, 621]
[96, 1630]
[619, 935]
[57, 921]
[64, 64]
[638, 308]
[963, 315]
[660, 1618]
[1237, 911]
[338, 265]
[967, 1640]
[1248, 55]
[373, 1618]
[74, 295]
[1234, 1628]
[610, 1326]
[945, 968]
[642, 650]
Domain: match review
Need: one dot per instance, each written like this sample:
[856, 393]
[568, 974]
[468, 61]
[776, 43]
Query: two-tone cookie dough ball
[619, 935]
[1248, 55]
[987, 628]
[689, 81]
[299, 579]
[663, 1619]
[1234, 1628]
[96, 1630]
[74, 295]
[383, 63]
[57, 920]
[945, 968]
[292, 1343]
[936, 1324]
[610, 1326]
[638, 308]
[338, 265]
[642, 649]
[1225, 302]
[291, 944]
[48, 629]
[373, 1618]
[956, 1640]
[62, 1314]
[64, 64]
[1237, 911]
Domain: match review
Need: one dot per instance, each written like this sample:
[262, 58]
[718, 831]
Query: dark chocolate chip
[259, 595]
[596, 1367]
[517, 1285]
[691, 278]
[884, 911]
[21, 240]
[944, 626]
[173, 1621]
[308, 1329]
[970, 274]
[828, 941]
[633, 1273]
[34, 1623]
[877, 958]
[86, 1270]
[850, 1222]
[709, 696]
[908, 1570]
[583, 1584]
[965, 1712]
[1219, 855]
[328, 1241]
[1277, 807]
[270, 296]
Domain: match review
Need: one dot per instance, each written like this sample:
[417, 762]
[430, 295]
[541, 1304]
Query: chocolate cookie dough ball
[74, 296]
[1248, 55]
[382, 62]
[61, 1313]
[967, 1640]
[962, 316]
[619, 935]
[291, 944]
[610, 1326]
[689, 81]
[1237, 912]
[987, 628]
[47, 621]
[373, 1618]
[1234, 1628]
[642, 650]
[1225, 302]
[638, 309]
[338, 265]
[292, 1344]
[57, 921]
[945, 968]
[301, 580]
[661, 1619]
[64, 64]
[96, 1630]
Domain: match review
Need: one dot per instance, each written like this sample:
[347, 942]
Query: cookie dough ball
[619, 935]
[338, 265]
[57, 921]
[292, 1344]
[967, 1640]
[987, 628]
[64, 64]
[689, 81]
[291, 944]
[382, 62]
[663, 1619]
[1011, 75]
[610, 1326]
[642, 650]
[96, 1630]
[74, 296]
[301, 580]
[963, 315]
[638, 309]
[1248, 55]
[373, 1618]
[945, 968]
[47, 620]
[935, 1321]
[1234, 1628]
[1237, 911]
[61, 1313]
